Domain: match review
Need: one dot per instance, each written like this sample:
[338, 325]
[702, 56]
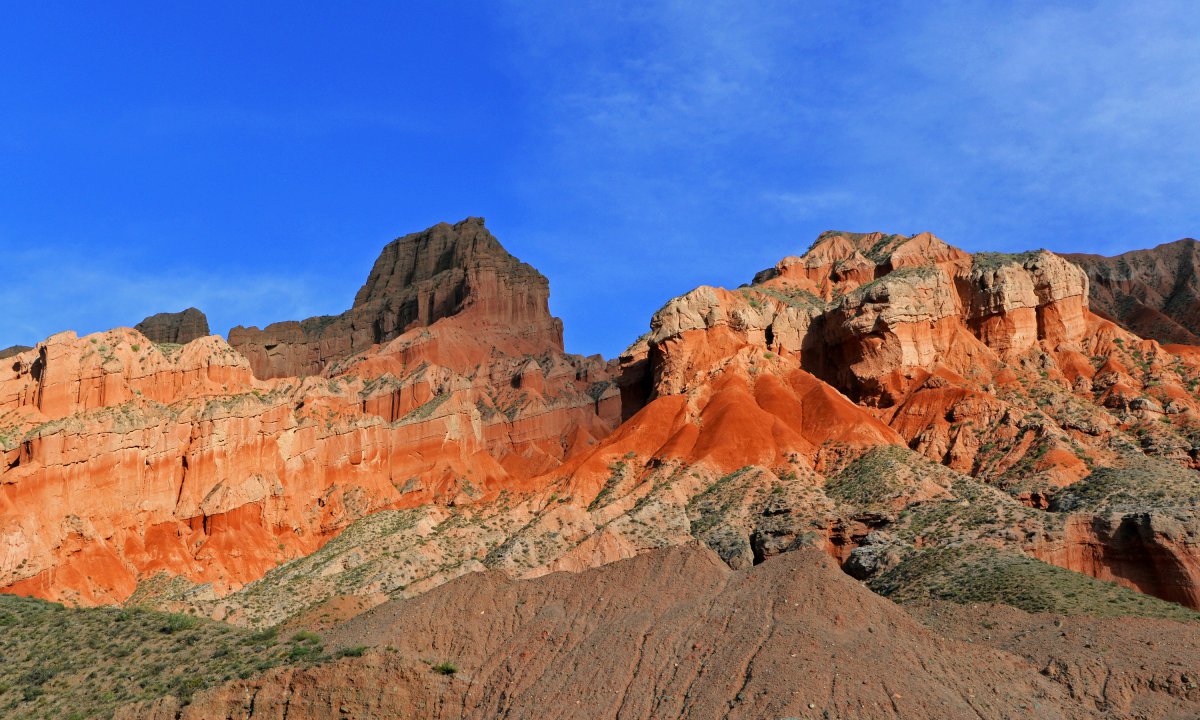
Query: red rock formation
[122, 458]
[446, 386]
[990, 364]
[1154, 552]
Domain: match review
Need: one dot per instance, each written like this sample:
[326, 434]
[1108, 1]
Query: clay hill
[676, 634]
[943, 427]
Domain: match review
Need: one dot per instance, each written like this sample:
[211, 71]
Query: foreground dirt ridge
[676, 634]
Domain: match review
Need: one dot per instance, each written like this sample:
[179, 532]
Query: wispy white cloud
[728, 134]
[663, 144]
[806, 205]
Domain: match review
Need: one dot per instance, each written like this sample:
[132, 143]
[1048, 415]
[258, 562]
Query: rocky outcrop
[990, 364]
[458, 270]
[751, 419]
[179, 328]
[1156, 552]
[1153, 293]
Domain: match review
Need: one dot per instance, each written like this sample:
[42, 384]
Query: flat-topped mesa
[179, 328]
[458, 271]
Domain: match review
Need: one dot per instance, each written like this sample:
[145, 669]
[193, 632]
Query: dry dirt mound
[1131, 667]
[668, 634]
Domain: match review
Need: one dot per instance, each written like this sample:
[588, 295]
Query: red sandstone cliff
[122, 458]
[457, 270]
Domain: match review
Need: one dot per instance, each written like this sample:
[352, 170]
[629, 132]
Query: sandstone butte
[879, 397]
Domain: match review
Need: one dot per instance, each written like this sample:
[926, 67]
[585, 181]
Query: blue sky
[252, 158]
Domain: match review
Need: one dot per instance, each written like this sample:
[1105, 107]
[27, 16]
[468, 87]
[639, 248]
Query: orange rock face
[989, 364]
[446, 387]
[123, 459]
[1154, 552]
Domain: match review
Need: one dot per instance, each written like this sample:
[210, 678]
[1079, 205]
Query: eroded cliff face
[877, 397]
[123, 458]
[1154, 551]
[1153, 293]
[457, 270]
[991, 365]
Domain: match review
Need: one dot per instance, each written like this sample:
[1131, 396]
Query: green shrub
[264, 637]
[177, 622]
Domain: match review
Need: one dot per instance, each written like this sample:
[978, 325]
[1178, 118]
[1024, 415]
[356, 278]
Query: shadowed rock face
[178, 327]
[445, 271]
[1154, 293]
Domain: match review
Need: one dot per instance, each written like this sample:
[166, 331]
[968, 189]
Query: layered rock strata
[121, 458]
[1153, 293]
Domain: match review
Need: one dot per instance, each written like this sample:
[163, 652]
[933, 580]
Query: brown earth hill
[676, 634]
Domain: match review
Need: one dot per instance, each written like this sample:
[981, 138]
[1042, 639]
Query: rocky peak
[423, 277]
[174, 327]
[840, 262]
[447, 271]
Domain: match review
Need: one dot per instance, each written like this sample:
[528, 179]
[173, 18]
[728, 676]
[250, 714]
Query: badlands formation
[881, 417]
